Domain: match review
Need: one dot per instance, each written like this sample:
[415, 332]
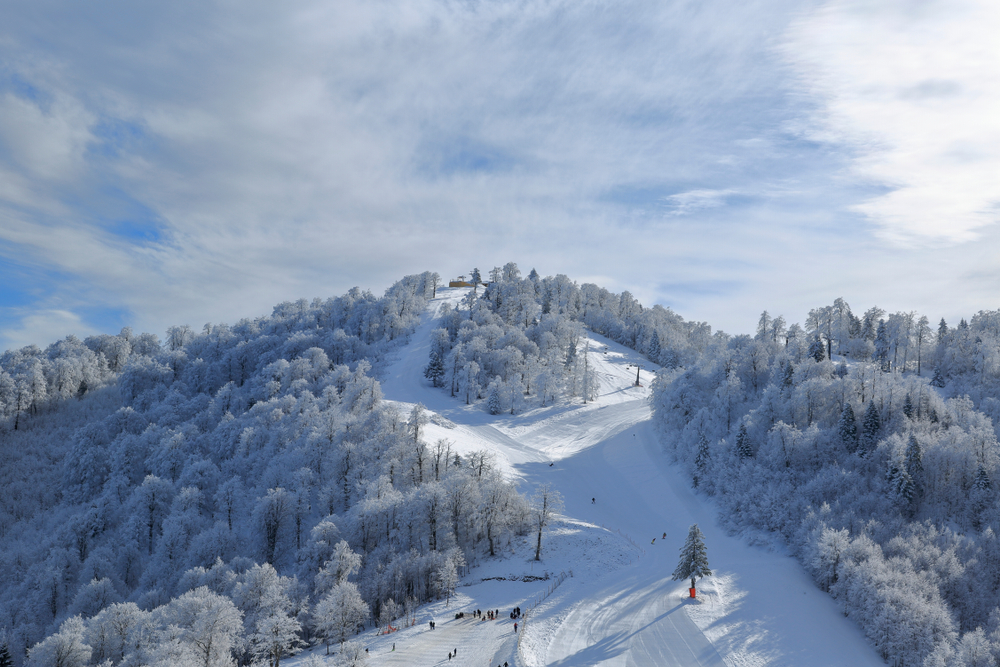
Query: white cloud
[43, 327]
[685, 203]
[912, 90]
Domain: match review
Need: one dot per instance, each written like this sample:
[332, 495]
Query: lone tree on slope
[545, 504]
[694, 558]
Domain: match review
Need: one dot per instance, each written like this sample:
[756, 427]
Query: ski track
[620, 607]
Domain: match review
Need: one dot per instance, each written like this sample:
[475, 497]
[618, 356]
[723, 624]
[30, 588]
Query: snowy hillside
[617, 604]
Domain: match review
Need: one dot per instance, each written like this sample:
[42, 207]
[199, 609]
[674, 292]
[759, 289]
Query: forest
[867, 446]
[235, 494]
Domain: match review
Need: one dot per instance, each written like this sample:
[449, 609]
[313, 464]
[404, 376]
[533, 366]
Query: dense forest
[518, 343]
[229, 493]
[236, 493]
[868, 446]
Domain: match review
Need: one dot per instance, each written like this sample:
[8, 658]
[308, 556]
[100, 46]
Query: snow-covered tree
[546, 503]
[66, 648]
[693, 563]
[209, 623]
[339, 613]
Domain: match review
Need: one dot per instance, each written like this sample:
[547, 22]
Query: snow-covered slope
[617, 604]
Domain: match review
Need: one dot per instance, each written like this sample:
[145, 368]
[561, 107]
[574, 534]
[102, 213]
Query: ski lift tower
[637, 368]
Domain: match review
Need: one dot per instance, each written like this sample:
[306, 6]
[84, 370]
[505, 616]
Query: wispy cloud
[912, 89]
[184, 162]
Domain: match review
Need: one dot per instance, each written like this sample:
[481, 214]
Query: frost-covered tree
[693, 562]
[66, 648]
[847, 428]
[816, 349]
[339, 613]
[546, 503]
[744, 449]
[871, 425]
[208, 623]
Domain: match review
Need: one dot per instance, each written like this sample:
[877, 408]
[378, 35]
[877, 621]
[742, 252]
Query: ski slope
[617, 605]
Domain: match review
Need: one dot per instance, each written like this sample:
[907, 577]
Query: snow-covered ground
[615, 603]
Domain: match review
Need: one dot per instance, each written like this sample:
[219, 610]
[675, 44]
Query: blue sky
[198, 162]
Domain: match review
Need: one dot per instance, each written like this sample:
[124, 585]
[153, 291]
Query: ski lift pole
[637, 367]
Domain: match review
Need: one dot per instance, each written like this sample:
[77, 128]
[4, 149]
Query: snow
[616, 604]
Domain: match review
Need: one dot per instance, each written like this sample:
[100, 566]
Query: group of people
[453, 654]
[654, 539]
[515, 613]
[491, 614]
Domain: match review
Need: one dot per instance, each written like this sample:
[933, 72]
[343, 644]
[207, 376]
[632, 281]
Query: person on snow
[515, 628]
[593, 501]
[653, 541]
[664, 536]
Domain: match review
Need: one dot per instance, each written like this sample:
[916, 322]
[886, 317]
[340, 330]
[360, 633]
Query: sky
[195, 162]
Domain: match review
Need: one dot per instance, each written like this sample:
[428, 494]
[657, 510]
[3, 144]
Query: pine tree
[789, 377]
[881, 354]
[938, 379]
[701, 459]
[817, 350]
[870, 426]
[743, 447]
[914, 457]
[693, 563]
[493, 403]
[847, 428]
[5, 659]
[902, 488]
[908, 407]
[982, 482]
[654, 348]
[435, 371]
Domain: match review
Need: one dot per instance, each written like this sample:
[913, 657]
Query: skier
[394, 646]
[593, 501]
[654, 540]
[515, 628]
[664, 536]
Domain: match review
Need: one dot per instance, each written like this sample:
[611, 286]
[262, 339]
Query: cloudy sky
[188, 162]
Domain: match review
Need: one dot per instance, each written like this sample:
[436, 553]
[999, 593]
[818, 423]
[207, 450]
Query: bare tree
[545, 504]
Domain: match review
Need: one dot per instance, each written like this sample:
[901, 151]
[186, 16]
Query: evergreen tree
[870, 426]
[701, 459]
[842, 369]
[938, 379]
[942, 330]
[654, 348]
[817, 350]
[435, 371]
[847, 428]
[788, 378]
[494, 405]
[982, 482]
[693, 563]
[743, 447]
[902, 488]
[882, 345]
[914, 457]
[477, 280]
[908, 407]
[5, 659]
